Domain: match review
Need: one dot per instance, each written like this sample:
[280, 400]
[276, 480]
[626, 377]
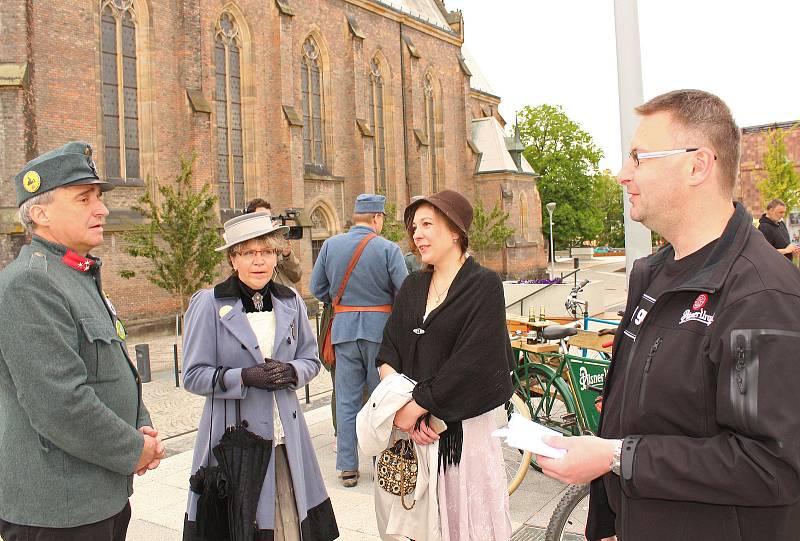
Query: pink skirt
[473, 496]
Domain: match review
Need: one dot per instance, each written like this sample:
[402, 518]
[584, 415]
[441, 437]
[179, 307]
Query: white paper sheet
[525, 434]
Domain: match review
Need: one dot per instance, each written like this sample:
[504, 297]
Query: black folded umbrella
[243, 458]
[211, 522]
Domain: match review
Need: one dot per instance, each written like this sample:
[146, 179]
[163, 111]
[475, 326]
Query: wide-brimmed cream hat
[249, 226]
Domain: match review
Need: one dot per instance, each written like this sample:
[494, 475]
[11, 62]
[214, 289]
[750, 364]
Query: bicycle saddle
[557, 332]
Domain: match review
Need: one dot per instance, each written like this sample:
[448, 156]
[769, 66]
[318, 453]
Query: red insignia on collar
[82, 264]
[699, 302]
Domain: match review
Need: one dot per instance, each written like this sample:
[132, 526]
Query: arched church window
[313, 115]
[228, 101]
[377, 114]
[320, 230]
[120, 104]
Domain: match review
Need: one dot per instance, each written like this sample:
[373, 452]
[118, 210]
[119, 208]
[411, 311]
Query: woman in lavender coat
[259, 331]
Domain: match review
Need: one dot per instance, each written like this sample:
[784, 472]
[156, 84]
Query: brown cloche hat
[451, 203]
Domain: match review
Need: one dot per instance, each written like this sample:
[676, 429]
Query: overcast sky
[563, 52]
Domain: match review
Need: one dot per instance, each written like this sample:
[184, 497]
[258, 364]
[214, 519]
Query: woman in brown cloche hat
[447, 332]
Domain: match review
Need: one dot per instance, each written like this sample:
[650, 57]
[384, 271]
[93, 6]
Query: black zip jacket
[708, 402]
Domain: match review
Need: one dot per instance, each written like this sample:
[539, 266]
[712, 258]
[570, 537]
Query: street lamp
[550, 208]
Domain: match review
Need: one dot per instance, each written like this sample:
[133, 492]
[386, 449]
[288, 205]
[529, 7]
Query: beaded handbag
[397, 470]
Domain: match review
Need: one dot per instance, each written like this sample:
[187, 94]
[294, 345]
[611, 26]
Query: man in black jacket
[774, 229]
[700, 432]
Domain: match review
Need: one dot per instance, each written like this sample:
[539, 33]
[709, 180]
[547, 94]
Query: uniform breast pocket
[98, 349]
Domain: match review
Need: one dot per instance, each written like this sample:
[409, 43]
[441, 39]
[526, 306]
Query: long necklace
[436, 291]
[449, 283]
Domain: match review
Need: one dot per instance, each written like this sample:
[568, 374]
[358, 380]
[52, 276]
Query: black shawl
[460, 356]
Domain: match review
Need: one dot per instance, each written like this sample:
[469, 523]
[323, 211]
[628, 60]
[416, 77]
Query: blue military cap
[71, 164]
[367, 203]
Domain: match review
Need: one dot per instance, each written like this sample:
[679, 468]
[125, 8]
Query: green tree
[488, 229]
[608, 197]
[567, 161]
[781, 180]
[393, 229]
[179, 237]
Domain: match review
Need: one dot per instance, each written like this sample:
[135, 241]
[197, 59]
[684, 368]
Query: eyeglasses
[638, 156]
[249, 255]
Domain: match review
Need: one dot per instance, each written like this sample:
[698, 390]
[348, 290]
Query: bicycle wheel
[549, 399]
[516, 461]
[568, 522]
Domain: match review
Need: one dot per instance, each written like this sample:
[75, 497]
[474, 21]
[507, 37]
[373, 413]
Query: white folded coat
[374, 427]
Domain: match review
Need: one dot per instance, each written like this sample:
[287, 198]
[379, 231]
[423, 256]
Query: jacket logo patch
[702, 316]
[640, 315]
[699, 302]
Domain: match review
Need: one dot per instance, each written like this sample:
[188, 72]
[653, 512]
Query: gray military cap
[70, 165]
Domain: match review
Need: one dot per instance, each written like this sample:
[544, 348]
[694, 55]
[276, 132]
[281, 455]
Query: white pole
[629, 79]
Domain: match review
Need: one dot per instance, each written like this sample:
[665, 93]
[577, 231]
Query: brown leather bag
[328, 353]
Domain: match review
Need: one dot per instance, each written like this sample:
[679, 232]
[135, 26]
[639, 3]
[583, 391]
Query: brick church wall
[175, 41]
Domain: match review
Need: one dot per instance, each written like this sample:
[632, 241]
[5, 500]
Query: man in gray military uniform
[74, 429]
[358, 328]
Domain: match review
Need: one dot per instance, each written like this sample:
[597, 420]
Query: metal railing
[522, 300]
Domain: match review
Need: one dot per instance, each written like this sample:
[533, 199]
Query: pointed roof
[489, 138]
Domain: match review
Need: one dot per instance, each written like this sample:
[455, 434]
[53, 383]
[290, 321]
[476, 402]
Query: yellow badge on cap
[120, 330]
[31, 181]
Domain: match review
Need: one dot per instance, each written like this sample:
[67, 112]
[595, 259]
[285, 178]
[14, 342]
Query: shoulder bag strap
[351, 266]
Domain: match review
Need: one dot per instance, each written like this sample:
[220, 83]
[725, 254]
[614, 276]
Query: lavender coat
[218, 333]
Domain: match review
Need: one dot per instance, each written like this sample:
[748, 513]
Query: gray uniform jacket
[70, 399]
[375, 281]
[219, 334]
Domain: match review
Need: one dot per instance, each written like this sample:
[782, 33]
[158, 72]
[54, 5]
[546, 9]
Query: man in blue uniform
[358, 323]
[74, 429]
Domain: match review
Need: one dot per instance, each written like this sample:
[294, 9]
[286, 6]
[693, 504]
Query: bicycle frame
[553, 386]
[576, 377]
